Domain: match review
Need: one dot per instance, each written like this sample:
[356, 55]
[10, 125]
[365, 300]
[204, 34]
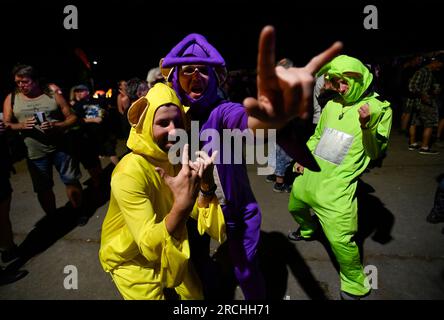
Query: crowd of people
[149, 246]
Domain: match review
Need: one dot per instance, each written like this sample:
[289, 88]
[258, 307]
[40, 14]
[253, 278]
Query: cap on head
[80, 87]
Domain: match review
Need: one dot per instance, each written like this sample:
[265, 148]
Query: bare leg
[74, 193]
[426, 137]
[279, 179]
[412, 134]
[405, 120]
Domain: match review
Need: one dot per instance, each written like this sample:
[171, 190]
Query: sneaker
[10, 254]
[427, 151]
[82, 220]
[281, 187]
[10, 276]
[414, 146]
[270, 178]
[434, 217]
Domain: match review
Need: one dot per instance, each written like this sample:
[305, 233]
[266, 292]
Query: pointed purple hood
[195, 49]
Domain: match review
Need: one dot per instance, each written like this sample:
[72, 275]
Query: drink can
[40, 117]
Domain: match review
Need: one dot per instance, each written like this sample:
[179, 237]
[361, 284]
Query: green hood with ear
[351, 70]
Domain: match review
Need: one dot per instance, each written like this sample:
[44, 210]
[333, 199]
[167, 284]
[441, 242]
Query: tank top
[38, 143]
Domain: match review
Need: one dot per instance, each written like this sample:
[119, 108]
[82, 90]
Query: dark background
[127, 38]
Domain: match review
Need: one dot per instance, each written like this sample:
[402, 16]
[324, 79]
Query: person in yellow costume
[144, 242]
[353, 129]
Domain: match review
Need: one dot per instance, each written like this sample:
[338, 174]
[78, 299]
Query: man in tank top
[42, 115]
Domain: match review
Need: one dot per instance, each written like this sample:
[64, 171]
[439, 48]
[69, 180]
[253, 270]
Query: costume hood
[141, 117]
[195, 49]
[353, 71]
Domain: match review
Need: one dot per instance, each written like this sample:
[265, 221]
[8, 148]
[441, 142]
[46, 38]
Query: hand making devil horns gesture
[283, 94]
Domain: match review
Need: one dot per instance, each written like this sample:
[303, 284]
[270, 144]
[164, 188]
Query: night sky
[127, 38]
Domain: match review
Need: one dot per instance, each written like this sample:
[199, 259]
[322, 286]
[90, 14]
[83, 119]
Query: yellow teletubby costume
[136, 248]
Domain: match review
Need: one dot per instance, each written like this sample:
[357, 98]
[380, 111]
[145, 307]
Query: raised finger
[318, 61]
[185, 157]
[201, 169]
[213, 156]
[266, 55]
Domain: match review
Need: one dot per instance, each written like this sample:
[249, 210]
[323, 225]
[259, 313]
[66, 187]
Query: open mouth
[197, 89]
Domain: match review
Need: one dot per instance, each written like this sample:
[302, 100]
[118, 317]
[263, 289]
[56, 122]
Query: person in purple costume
[195, 69]
[197, 72]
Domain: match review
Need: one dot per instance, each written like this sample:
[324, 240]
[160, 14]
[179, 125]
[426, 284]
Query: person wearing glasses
[196, 71]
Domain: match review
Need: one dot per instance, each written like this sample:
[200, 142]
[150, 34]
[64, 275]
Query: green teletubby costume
[342, 150]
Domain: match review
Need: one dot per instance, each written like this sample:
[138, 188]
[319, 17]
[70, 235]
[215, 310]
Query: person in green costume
[353, 129]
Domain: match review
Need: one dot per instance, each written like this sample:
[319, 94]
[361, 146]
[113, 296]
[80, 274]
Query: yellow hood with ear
[141, 117]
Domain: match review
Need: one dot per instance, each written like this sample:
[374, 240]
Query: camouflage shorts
[408, 105]
[426, 115]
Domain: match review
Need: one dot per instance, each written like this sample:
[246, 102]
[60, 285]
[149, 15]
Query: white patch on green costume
[333, 145]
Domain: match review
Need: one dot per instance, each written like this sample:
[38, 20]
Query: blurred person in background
[42, 115]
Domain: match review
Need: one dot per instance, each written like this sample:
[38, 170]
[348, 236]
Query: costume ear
[166, 72]
[137, 111]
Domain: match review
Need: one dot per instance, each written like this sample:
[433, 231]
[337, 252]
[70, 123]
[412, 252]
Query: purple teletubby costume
[241, 211]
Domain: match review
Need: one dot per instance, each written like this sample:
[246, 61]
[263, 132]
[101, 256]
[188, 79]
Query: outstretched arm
[283, 94]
